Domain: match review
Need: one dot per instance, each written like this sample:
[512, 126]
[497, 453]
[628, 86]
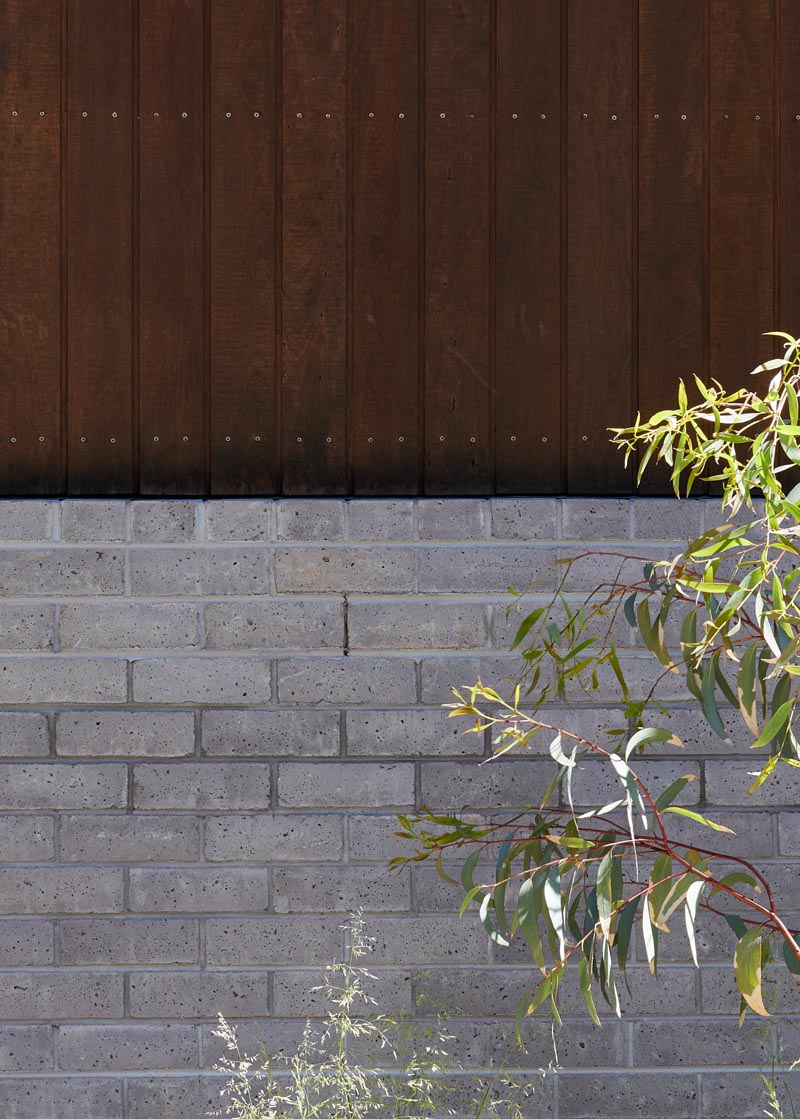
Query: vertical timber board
[384, 402]
[528, 379]
[99, 247]
[742, 187]
[602, 109]
[30, 246]
[672, 208]
[171, 247]
[458, 220]
[243, 453]
[789, 184]
[314, 247]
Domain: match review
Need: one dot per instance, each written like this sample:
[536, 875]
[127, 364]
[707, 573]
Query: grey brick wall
[209, 715]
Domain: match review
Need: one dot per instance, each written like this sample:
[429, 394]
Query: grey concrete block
[594, 518]
[670, 1095]
[57, 679]
[245, 519]
[346, 680]
[441, 674]
[740, 1095]
[277, 1036]
[500, 784]
[26, 943]
[129, 1047]
[720, 993]
[163, 522]
[23, 735]
[691, 1043]
[427, 941]
[27, 839]
[371, 520]
[451, 518]
[271, 733]
[372, 838]
[199, 994]
[26, 628]
[272, 941]
[345, 785]
[53, 889]
[274, 838]
[162, 734]
[472, 991]
[752, 838]
[430, 893]
[58, 995]
[409, 733]
[353, 570]
[129, 941]
[524, 518]
[26, 521]
[485, 568]
[672, 995]
[200, 679]
[282, 624]
[62, 785]
[204, 571]
[666, 518]
[297, 993]
[135, 625]
[788, 833]
[61, 572]
[184, 1097]
[340, 890]
[228, 786]
[89, 522]
[26, 1048]
[416, 625]
[595, 782]
[727, 782]
[310, 519]
[61, 1098]
[88, 838]
[199, 890]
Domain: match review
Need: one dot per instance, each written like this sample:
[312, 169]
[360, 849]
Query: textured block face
[201, 785]
[303, 624]
[129, 626]
[63, 572]
[343, 681]
[261, 733]
[97, 734]
[210, 715]
[202, 680]
[350, 570]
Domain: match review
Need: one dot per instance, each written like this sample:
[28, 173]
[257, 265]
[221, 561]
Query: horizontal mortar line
[369, 545]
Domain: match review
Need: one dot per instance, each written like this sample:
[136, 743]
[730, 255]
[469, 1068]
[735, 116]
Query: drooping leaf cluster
[724, 615]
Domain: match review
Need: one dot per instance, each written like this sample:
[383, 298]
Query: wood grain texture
[788, 214]
[458, 217]
[384, 397]
[30, 247]
[99, 247]
[242, 383]
[600, 380]
[528, 379]
[171, 247]
[672, 206]
[314, 254]
[741, 285]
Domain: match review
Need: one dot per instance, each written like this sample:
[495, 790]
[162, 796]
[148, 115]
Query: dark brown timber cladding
[381, 246]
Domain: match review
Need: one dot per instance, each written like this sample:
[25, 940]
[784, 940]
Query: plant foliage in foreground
[578, 885]
[324, 1079]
